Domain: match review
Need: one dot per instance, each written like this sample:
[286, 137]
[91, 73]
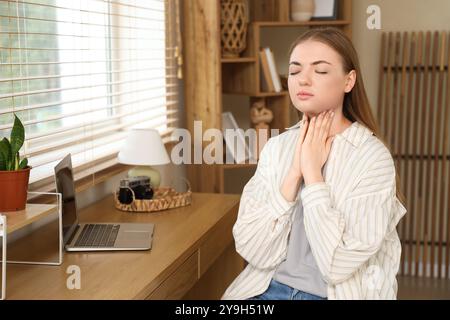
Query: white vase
[302, 10]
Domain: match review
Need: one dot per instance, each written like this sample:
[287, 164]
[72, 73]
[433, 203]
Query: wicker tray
[163, 198]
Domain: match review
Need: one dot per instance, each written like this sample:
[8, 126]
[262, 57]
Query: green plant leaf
[23, 164]
[5, 149]
[2, 161]
[16, 162]
[17, 136]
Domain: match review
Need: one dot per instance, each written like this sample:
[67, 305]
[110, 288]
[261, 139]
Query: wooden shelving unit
[321, 23]
[209, 77]
[239, 60]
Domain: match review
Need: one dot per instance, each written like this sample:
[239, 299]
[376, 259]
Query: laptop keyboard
[98, 235]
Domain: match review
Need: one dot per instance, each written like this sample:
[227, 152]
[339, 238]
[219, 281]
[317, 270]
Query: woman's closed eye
[293, 73]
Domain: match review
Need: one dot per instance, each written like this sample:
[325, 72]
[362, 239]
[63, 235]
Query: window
[81, 73]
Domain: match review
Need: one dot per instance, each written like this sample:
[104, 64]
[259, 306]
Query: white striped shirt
[350, 219]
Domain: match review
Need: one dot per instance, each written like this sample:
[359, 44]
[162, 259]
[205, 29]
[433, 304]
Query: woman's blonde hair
[356, 104]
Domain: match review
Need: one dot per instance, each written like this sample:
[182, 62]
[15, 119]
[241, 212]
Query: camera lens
[125, 196]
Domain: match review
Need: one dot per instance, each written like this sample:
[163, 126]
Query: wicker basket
[163, 198]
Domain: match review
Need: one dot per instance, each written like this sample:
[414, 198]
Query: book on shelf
[266, 78]
[273, 69]
[236, 145]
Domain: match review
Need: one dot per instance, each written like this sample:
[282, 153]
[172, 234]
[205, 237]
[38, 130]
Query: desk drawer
[216, 242]
[179, 282]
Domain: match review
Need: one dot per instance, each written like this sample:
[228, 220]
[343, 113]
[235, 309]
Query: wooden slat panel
[418, 124]
[446, 185]
[414, 110]
[393, 111]
[439, 210]
[409, 219]
[381, 80]
[423, 162]
[384, 111]
[430, 175]
[402, 127]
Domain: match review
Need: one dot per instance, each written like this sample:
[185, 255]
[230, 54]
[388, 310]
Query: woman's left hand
[316, 147]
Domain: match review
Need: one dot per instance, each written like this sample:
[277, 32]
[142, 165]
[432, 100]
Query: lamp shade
[143, 147]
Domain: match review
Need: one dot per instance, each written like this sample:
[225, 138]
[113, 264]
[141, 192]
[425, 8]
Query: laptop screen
[65, 186]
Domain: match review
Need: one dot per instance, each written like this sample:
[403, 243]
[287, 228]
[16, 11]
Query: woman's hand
[316, 147]
[295, 169]
[293, 179]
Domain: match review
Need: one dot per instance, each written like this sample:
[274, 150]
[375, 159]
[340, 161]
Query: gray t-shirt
[300, 270]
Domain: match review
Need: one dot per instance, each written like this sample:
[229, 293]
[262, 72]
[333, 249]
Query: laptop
[95, 236]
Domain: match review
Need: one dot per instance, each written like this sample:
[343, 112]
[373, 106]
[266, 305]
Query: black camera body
[135, 188]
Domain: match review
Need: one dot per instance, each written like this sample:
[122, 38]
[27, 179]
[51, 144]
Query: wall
[396, 15]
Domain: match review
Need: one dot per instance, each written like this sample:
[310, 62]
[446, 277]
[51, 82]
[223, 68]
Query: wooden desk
[192, 257]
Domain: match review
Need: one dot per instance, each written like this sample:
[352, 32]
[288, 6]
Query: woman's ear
[350, 81]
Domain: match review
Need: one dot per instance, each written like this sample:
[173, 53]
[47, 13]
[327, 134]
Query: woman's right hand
[293, 179]
[295, 169]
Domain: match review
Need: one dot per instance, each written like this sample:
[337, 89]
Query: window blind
[81, 73]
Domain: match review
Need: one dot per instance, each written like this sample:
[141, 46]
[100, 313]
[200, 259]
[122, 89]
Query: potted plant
[14, 173]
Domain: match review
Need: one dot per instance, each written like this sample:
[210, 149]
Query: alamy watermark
[374, 20]
[74, 279]
[373, 277]
[208, 146]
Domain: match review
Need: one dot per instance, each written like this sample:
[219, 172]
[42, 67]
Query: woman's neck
[340, 122]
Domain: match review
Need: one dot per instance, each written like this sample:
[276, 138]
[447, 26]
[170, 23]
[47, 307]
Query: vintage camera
[139, 187]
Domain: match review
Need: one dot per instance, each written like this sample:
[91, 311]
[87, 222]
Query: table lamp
[144, 148]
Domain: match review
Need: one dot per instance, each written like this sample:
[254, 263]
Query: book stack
[270, 79]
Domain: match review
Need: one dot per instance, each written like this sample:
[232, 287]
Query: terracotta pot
[13, 189]
[302, 10]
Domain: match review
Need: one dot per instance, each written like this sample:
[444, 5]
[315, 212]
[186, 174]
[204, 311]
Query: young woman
[318, 219]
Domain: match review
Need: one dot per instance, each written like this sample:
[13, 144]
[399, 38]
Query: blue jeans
[280, 291]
